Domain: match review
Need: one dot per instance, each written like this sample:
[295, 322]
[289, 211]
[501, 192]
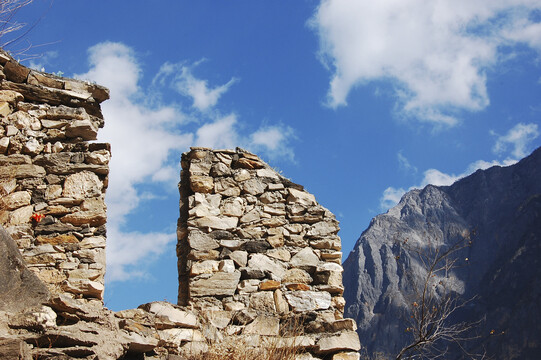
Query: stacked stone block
[52, 179]
[259, 259]
[256, 252]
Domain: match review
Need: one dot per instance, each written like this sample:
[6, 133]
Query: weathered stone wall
[259, 259]
[52, 179]
[256, 251]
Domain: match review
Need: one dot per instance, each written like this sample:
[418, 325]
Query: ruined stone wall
[259, 259]
[52, 179]
[256, 251]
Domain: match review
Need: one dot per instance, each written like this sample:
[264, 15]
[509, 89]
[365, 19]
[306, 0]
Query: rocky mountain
[496, 214]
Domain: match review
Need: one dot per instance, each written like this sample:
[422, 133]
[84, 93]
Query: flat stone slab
[219, 284]
[20, 289]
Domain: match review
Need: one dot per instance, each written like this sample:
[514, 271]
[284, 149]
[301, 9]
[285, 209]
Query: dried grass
[241, 351]
[288, 346]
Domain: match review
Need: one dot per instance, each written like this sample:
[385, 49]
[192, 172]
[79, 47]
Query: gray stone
[4, 144]
[226, 187]
[84, 287]
[203, 184]
[100, 157]
[280, 303]
[138, 343]
[323, 228]
[204, 267]
[277, 209]
[219, 284]
[300, 197]
[92, 242]
[302, 301]
[253, 186]
[204, 205]
[32, 147]
[200, 168]
[39, 319]
[233, 206]
[262, 301]
[82, 128]
[250, 216]
[227, 266]
[297, 276]
[251, 273]
[201, 241]
[265, 264]
[15, 200]
[249, 285]
[174, 337]
[347, 356]
[341, 342]
[305, 259]
[219, 318]
[280, 254]
[20, 289]
[241, 175]
[171, 313]
[23, 120]
[263, 325]
[215, 222]
[14, 349]
[84, 184]
[220, 169]
[271, 197]
[256, 246]
[267, 173]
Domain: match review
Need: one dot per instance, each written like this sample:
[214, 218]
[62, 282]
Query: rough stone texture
[53, 180]
[20, 288]
[259, 248]
[241, 224]
[339, 342]
[498, 212]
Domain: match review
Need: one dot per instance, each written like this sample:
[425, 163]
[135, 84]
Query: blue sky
[358, 101]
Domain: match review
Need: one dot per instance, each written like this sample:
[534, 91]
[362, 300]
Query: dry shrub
[286, 347]
[241, 351]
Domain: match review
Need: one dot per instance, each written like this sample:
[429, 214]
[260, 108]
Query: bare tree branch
[9, 25]
[434, 302]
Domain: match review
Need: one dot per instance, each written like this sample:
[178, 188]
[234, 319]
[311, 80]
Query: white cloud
[273, 140]
[436, 53]
[183, 81]
[219, 134]
[391, 196]
[142, 138]
[518, 137]
[127, 251]
[438, 178]
[404, 163]
[42, 61]
[146, 138]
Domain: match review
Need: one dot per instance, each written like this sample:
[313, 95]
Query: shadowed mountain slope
[499, 211]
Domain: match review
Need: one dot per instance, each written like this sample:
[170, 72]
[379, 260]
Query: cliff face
[499, 211]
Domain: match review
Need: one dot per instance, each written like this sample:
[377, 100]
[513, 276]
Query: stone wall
[256, 251]
[259, 259]
[52, 179]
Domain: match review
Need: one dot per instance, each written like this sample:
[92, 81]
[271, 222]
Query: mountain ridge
[500, 210]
